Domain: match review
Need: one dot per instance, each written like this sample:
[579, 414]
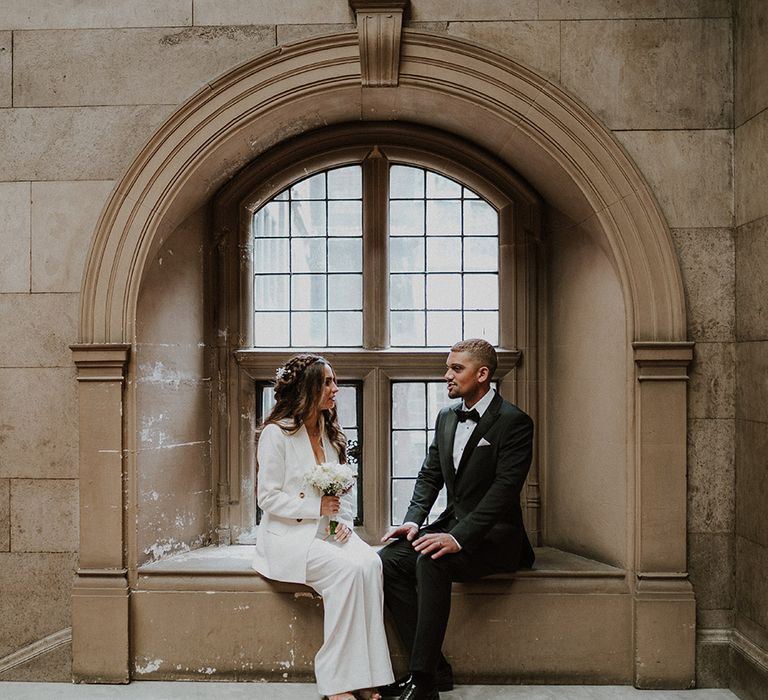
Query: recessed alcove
[608, 388]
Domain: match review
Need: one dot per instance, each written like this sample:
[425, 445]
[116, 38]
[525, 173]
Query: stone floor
[159, 690]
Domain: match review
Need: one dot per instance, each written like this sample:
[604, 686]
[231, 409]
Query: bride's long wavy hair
[299, 388]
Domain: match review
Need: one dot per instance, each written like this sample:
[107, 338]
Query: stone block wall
[751, 231]
[83, 84]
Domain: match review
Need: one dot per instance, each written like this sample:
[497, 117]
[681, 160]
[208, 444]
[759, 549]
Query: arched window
[379, 249]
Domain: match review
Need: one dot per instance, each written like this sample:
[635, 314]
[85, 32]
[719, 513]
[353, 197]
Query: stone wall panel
[752, 280]
[751, 145]
[752, 381]
[707, 261]
[690, 172]
[135, 66]
[711, 562]
[534, 44]
[44, 515]
[290, 33]
[711, 475]
[38, 329]
[220, 12]
[750, 58]
[36, 597]
[712, 386]
[6, 69]
[14, 236]
[632, 9]
[651, 74]
[752, 581]
[5, 515]
[74, 143]
[63, 219]
[752, 481]
[38, 423]
[87, 14]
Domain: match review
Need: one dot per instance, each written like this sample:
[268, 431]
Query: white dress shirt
[464, 430]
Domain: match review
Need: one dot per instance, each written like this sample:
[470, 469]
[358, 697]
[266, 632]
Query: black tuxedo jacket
[484, 491]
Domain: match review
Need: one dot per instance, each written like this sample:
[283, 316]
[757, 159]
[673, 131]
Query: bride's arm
[270, 494]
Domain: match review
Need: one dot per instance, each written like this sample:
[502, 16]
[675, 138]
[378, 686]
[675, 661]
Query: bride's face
[330, 389]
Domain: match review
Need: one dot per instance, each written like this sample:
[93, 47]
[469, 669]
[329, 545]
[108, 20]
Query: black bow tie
[472, 414]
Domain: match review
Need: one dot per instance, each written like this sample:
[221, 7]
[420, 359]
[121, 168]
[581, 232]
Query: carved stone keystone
[379, 26]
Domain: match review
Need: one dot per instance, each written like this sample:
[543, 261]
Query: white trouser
[354, 654]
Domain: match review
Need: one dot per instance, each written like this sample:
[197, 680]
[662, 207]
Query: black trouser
[417, 592]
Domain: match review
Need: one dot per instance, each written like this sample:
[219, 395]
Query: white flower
[331, 478]
[279, 372]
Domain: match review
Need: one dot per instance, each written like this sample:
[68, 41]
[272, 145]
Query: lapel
[488, 419]
[446, 444]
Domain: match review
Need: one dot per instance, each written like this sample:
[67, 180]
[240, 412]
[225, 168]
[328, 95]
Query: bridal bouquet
[331, 479]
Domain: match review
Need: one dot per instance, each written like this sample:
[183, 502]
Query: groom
[481, 452]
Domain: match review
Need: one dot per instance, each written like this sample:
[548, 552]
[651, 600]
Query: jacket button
[301, 495]
[298, 520]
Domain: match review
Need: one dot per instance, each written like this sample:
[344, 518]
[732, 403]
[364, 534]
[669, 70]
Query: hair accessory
[279, 372]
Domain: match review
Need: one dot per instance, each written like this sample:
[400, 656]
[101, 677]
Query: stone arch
[547, 136]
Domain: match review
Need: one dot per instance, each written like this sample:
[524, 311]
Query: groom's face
[464, 376]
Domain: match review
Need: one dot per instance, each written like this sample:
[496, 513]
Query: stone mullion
[664, 604]
[100, 591]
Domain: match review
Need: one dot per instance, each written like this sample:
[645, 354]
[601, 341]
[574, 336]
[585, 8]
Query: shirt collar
[482, 405]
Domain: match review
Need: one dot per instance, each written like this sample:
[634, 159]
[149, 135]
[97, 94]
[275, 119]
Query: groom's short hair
[481, 351]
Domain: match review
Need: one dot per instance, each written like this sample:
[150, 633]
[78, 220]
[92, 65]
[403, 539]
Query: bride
[294, 543]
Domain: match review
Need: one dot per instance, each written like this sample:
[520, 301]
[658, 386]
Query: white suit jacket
[291, 508]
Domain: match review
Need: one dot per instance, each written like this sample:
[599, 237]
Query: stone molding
[379, 26]
[450, 85]
[38, 648]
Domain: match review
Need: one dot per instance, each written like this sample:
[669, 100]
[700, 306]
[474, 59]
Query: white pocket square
[483, 443]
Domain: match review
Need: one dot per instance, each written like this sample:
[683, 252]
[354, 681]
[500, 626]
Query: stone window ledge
[229, 568]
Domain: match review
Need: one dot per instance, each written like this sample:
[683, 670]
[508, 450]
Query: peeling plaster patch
[161, 549]
[150, 667]
[303, 594]
[158, 373]
[208, 670]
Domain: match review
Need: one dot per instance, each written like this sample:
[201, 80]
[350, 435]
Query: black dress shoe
[419, 691]
[443, 683]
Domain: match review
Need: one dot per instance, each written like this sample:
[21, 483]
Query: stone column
[100, 591]
[664, 605]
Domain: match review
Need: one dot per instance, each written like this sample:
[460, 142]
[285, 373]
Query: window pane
[408, 405]
[444, 218]
[345, 219]
[481, 292]
[437, 398]
[443, 254]
[444, 291]
[271, 292]
[409, 448]
[481, 254]
[406, 182]
[402, 490]
[308, 292]
[345, 292]
[406, 291]
[271, 220]
[346, 407]
[345, 183]
[308, 218]
[480, 219]
[345, 328]
[345, 255]
[407, 328]
[482, 324]
[406, 218]
[310, 188]
[308, 328]
[308, 254]
[270, 255]
[406, 254]
[443, 328]
[271, 329]
[440, 187]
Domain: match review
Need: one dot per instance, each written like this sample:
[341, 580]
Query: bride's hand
[342, 533]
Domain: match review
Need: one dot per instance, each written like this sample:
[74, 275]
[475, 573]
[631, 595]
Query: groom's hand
[407, 530]
[437, 544]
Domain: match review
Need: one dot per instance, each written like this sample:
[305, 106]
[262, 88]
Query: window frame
[238, 366]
